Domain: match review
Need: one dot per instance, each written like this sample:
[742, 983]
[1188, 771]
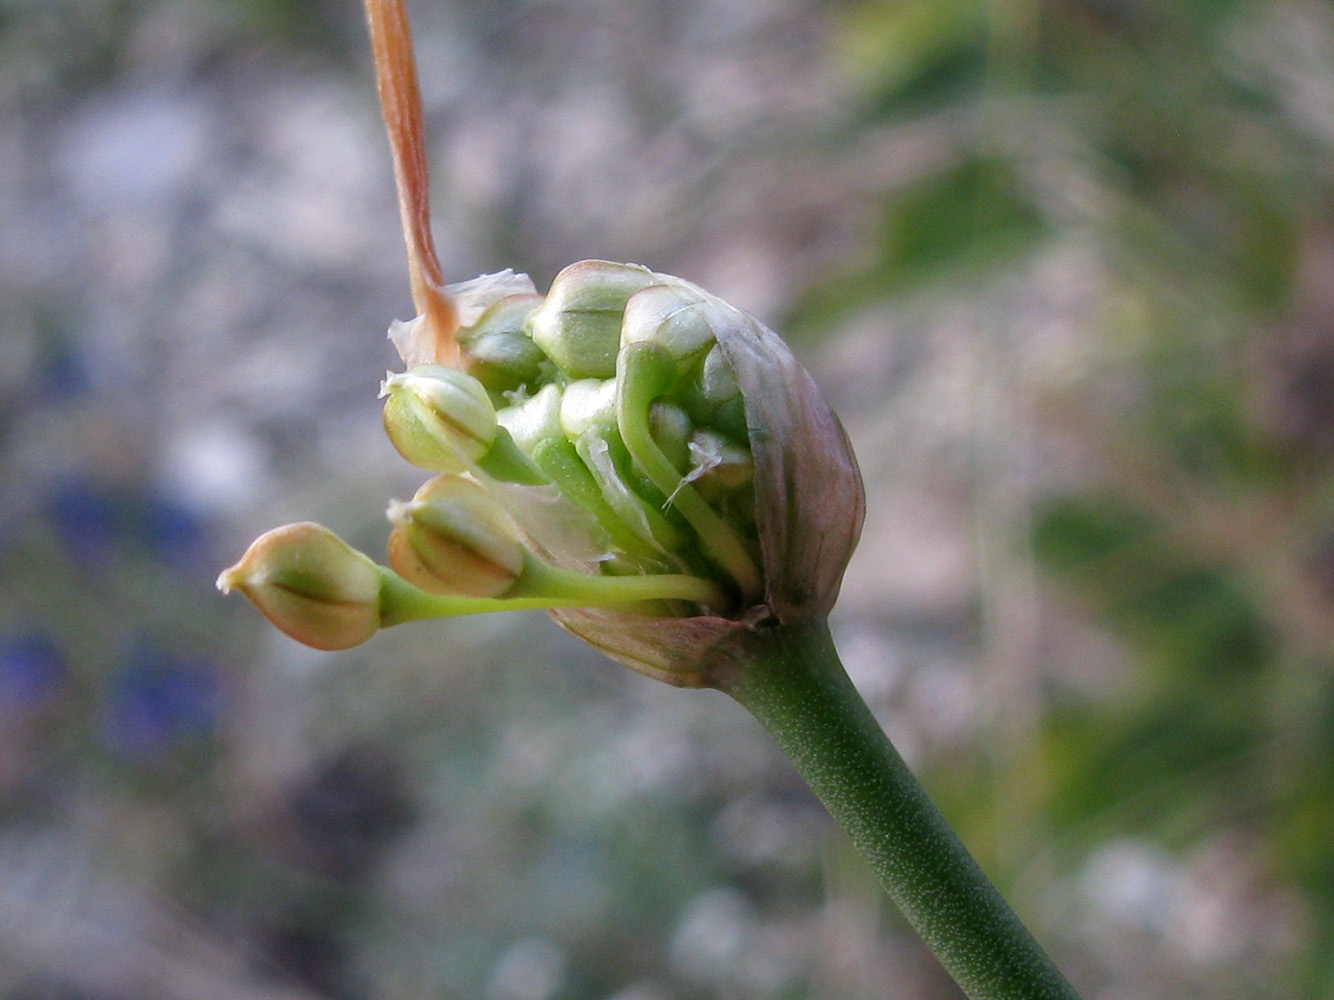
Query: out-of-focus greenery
[1067, 269]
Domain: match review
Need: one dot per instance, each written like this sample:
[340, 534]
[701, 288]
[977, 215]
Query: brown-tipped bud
[451, 538]
[311, 584]
[438, 418]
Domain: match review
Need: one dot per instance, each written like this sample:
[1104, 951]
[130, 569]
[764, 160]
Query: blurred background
[1066, 267]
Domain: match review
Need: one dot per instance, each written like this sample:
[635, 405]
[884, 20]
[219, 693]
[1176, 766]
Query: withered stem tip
[401, 104]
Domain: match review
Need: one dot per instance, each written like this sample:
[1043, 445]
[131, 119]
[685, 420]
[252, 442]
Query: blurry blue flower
[159, 699]
[62, 370]
[173, 532]
[94, 520]
[84, 515]
[32, 669]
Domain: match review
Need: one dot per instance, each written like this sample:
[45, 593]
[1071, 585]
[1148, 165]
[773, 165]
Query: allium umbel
[654, 468]
[628, 451]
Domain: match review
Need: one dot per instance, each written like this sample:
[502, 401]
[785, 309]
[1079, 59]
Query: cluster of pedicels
[631, 453]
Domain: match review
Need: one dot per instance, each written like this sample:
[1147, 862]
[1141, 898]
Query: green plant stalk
[790, 678]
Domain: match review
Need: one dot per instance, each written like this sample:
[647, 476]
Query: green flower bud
[588, 405]
[672, 317]
[311, 584]
[579, 324]
[712, 397]
[452, 538]
[498, 351]
[438, 418]
[535, 419]
[717, 382]
[419, 343]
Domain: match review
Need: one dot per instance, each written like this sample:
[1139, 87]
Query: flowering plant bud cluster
[627, 450]
[654, 468]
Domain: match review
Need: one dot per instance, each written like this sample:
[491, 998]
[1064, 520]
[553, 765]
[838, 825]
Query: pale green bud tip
[497, 350]
[579, 323]
[438, 418]
[674, 318]
[451, 538]
[311, 584]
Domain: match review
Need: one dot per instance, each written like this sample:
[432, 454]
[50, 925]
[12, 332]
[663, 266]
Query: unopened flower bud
[674, 318]
[587, 405]
[497, 350]
[579, 324]
[713, 398]
[452, 538]
[536, 419]
[438, 418]
[717, 381]
[311, 584]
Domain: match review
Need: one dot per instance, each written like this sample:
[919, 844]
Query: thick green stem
[791, 680]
